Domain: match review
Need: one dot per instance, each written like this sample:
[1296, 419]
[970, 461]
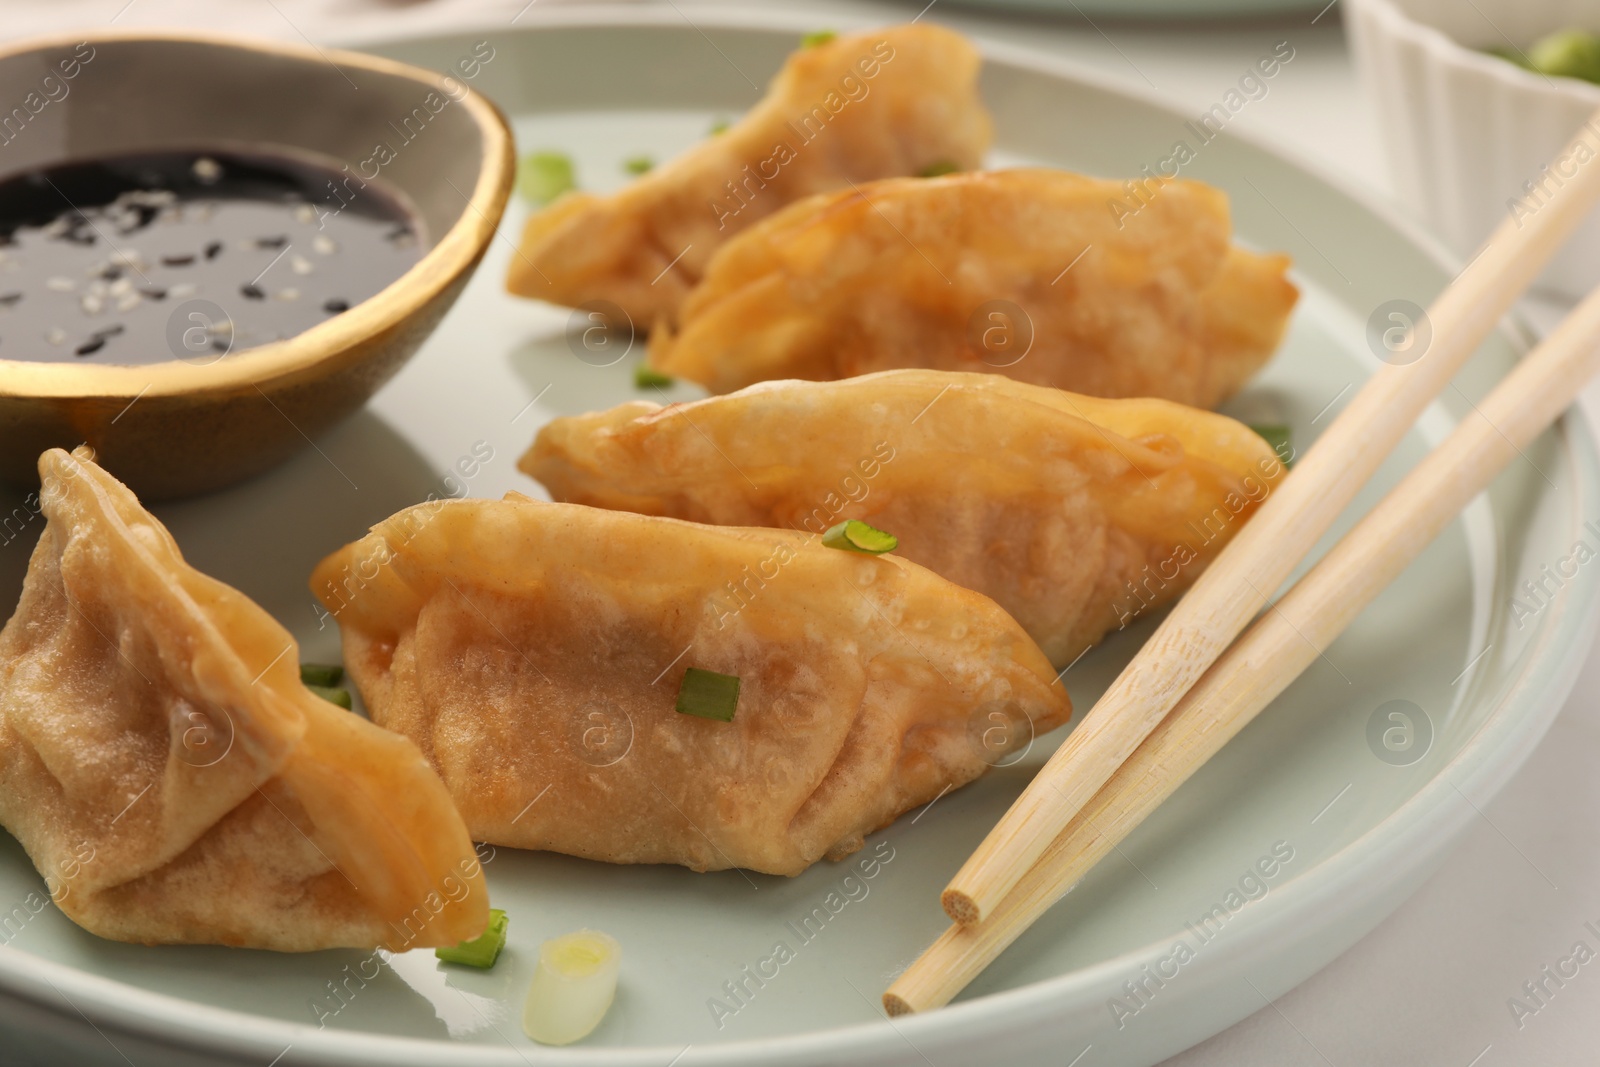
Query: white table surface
[1430, 986]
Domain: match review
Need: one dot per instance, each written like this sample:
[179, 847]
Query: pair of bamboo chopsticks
[1176, 704]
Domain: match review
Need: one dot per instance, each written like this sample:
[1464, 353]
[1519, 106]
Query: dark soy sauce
[188, 255]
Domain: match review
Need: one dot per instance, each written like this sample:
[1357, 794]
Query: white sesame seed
[61, 285]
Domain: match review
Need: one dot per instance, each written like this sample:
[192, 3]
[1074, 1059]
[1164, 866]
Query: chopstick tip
[960, 907]
[896, 1005]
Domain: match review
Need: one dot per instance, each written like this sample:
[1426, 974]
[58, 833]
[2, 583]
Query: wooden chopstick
[1275, 650]
[1261, 556]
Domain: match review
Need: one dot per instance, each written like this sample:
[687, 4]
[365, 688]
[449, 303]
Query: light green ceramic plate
[609, 84]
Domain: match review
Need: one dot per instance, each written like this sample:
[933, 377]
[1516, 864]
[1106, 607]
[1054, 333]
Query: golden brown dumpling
[535, 652]
[1075, 514]
[172, 779]
[868, 105]
[1026, 273]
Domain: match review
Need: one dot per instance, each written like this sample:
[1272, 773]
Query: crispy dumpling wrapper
[885, 102]
[1027, 273]
[172, 779]
[1075, 514]
[535, 652]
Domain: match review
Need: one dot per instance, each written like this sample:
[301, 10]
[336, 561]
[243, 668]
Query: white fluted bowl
[1465, 131]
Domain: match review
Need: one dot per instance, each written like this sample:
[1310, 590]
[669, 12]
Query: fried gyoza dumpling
[869, 105]
[536, 652]
[1027, 273]
[1074, 513]
[172, 779]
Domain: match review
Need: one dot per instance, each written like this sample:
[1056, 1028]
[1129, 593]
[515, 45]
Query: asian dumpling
[885, 102]
[1075, 514]
[1030, 273]
[541, 656]
[173, 780]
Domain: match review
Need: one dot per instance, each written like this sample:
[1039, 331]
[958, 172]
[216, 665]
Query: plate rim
[1428, 822]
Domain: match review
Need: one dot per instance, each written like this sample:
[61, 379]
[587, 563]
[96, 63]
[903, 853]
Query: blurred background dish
[1465, 131]
[1154, 9]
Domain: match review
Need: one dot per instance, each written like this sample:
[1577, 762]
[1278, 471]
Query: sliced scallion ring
[321, 673]
[853, 535]
[543, 176]
[572, 988]
[708, 694]
[483, 950]
[332, 695]
[647, 377]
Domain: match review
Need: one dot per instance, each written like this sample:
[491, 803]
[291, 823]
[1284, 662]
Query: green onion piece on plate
[853, 535]
[482, 950]
[543, 176]
[938, 170]
[646, 377]
[708, 694]
[811, 40]
[720, 126]
[332, 695]
[321, 673]
[638, 165]
[1279, 437]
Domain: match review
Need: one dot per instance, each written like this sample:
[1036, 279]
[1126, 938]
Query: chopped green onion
[1570, 53]
[1567, 54]
[1510, 55]
[332, 695]
[938, 170]
[572, 988]
[811, 40]
[720, 126]
[638, 165]
[482, 950]
[321, 673]
[543, 176]
[708, 694]
[647, 377]
[1281, 440]
[853, 535]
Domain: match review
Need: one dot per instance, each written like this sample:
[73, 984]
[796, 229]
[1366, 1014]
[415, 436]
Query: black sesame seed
[180, 261]
[150, 293]
[271, 242]
[214, 249]
[89, 348]
[334, 307]
[10, 299]
[254, 292]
